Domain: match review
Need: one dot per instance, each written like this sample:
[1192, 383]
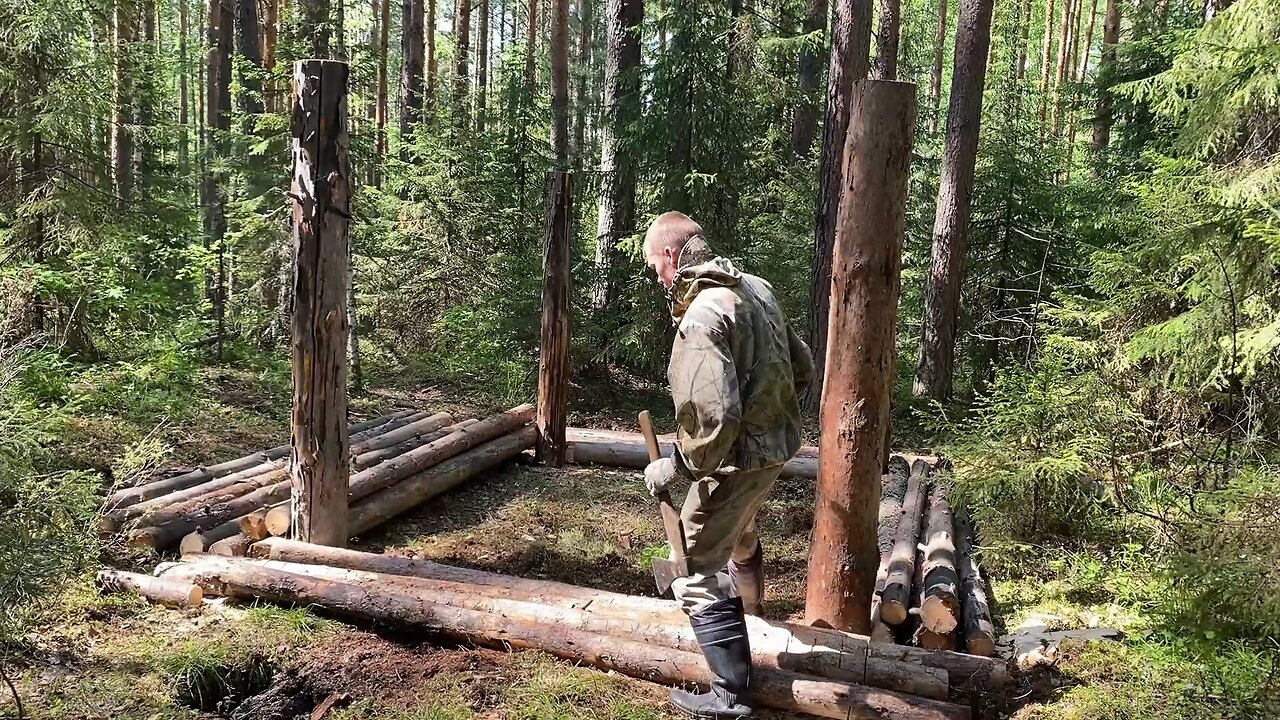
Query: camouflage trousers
[719, 519]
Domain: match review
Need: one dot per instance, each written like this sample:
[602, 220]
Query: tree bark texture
[432, 69]
[804, 121]
[893, 490]
[1060, 76]
[850, 61]
[482, 66]
[220, 25]
[1102, 110]
[184, 100]
[1088, 43]
[865, 281]
[382, 111]
[618, 161]
[940, 585]
[321, 212]
[173, 593]
[560, 83]
[583, 66]
[249, 46]
[462, 79]
[562, 632]
[955, 202]
[530, 47]
[122, 106]
[887, 40]
[1046, 52]
[1024, 36]
[410, 74]
[935, 77]
[979, 632]
[553, 356]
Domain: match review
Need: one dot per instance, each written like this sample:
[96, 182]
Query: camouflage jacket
[736, 369]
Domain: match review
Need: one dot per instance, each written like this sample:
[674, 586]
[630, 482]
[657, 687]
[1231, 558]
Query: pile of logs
[928, 591]
[398, 461]
[819, 671]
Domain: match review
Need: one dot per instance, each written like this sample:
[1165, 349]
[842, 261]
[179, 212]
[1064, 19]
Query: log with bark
[892, 491]
[200, 541]
[208, 516]
[896, 596]
[979, 632]
[165, 591]
[235, 546]
[547, 629]
[965, 672]
[373, 457]
[939, 608]
[133, 495]
[418, 428]
[589, 448]
[254, 525]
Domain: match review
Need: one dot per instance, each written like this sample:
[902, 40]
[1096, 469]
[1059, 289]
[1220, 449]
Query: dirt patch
[357, 665]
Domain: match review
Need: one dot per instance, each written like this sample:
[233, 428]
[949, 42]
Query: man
[735, 372]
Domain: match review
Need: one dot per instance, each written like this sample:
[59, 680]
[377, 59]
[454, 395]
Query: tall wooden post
[553, 359]
[859, 370]
[321, 211]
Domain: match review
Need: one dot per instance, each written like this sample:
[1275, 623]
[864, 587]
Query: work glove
[660, 474]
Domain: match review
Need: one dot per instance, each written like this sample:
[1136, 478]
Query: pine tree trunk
[314, 30]
[531, 44]
[887, 40]
[183, 90]
[1024, 36]
[383, 106]
[270, 36]
[583, 68]
[560, 82]
[1102, 111]
[219, 26]
[1064, 51]
[482, 67]
[1088, 43]
[955, 195]
[850, 61]
[432, 69]
[1046, 53]
[247, 45]
[617, 160]
[804, 121]
[935, 78]
[411, 74]
[462, 81]
[125, 18]
[340, 30]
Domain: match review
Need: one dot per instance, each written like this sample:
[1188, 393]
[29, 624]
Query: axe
[665, 571]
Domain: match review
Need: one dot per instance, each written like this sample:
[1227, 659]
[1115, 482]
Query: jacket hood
[698, 270]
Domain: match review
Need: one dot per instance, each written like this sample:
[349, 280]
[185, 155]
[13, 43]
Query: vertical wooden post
[321, 211]
[855, 395]
[553, 358]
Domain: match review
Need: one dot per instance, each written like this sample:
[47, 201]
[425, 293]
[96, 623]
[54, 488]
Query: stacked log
[821, 672]
[402, 460]
[895, 598]
[893, 489]
[979, 632]
[626, 450]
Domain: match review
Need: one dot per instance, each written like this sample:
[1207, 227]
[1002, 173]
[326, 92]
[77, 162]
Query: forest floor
[115, 657]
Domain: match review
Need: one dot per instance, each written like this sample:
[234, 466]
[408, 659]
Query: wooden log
[166, 515]
[254, 525]
[939, 608]
[603, 434]
[631, 453]
[235, 546]
[896, 596]
[893, 489]
[130, 496]
[165, 591]
[200, 541]
[417, 489]
[373, 457]
[865, 282]
[553, 352]
[396, 601]
[418, 428]
[209, 516]
[966, 673]
[384, 475]
[278, 521]
[930, 640]
[321, 197]
[979, 632]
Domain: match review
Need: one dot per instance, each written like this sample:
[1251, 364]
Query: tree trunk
[855, 403]
[383, 109]
[805, 119]
[462, 80]
[618, 162]
[432, 69]
[411, 74]
[530, 46]
[895, 597]
[553, 361]
[314, 27]
[1064, 53]
[122, 106]
[340, 30]
[1046, 52]
[183, 90]
[1088, 42]
[353, 346]
[955, 201]
[583, 68]
[1106, 72]
[1024, 36]
[482, 67]
[940, 585]
[565, 632]
[247, 44]
[321, 208]
[935, 78]
[560, 83]
[887, 40]
[850, 61]
[172, 593]
[217, 106]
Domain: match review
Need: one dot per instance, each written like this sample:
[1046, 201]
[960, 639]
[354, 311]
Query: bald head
[665, 239]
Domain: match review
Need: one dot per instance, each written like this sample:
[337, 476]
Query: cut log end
[193, 543]
[172, 593]
[938, 613]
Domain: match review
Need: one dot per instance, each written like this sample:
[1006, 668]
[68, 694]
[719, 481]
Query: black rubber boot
[721, 629]
[748, 581]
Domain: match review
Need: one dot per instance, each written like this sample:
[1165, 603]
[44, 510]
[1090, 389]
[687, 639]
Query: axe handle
[670, 516]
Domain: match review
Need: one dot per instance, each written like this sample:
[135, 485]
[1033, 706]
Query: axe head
[665, 572]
